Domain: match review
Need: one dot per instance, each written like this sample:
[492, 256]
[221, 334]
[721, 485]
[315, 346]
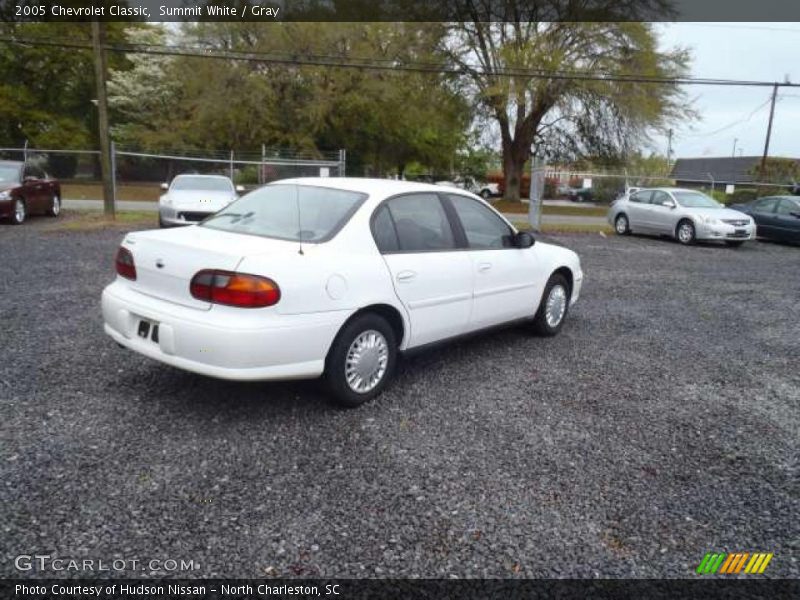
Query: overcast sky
[752, 51]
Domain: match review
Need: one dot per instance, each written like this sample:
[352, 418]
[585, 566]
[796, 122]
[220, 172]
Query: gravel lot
[661, 424]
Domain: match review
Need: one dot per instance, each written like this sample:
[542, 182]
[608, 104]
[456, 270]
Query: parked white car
[333, 276]
[686, 215]
[191, 198]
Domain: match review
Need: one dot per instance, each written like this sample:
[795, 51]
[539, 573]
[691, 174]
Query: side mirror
[523, 240]
[164, 186]
[668, 203]
[239, 189]
[795, 214]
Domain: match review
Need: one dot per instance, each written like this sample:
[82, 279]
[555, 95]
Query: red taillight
[234, 289]
[125, 265]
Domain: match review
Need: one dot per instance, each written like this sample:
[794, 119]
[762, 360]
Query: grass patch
[509, 207]
[86, 220]
[94, 191]
[566, 228]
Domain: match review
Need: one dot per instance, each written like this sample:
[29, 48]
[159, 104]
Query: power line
[728, 126]
[383, 64]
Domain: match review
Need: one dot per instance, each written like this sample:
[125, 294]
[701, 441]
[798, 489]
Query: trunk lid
[167, 259]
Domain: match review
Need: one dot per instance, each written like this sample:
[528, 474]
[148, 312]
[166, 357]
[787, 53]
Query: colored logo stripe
[733, 563]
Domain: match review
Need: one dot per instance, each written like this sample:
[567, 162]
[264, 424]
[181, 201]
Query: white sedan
[191, 198]
[333, 277]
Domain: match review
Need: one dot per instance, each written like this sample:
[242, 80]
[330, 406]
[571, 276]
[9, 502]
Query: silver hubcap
[556, 305]
[685, 233]
[366, 361]
[56, 205]
[19, 211]
[622, 224]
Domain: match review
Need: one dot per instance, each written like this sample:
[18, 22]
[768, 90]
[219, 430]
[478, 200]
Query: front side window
[659, 198]
[206, 184]
[289, 212]
[788, 206]
[421, 223]
[484, 229]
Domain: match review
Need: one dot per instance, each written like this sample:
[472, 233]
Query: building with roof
[738, 170]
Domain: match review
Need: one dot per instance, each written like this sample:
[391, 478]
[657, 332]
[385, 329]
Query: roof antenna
[299, 220]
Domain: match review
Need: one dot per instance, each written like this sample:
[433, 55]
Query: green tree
[575, 116]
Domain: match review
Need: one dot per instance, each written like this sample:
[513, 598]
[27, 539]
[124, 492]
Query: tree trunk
[514, 157]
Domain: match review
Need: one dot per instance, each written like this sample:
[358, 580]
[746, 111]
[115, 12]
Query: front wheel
[486, 194]
[621, 225]
[55, 206]
[19, 214]
[553, 308]
[686, 233]
[361, 361]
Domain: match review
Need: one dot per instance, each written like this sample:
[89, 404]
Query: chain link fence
[139, 175]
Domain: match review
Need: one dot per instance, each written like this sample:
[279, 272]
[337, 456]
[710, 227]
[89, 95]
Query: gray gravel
[661, 424]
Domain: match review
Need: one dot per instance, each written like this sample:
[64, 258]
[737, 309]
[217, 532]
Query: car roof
[370, 186]
[201, 175]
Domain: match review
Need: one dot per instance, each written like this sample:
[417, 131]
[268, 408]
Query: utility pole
[669, 149]
[769, 131]
[100, 75]
[733, 155]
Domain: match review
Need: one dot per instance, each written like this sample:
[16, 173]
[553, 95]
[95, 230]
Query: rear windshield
[695, 200]
[272, 211]
[208, 184]
[9, 174]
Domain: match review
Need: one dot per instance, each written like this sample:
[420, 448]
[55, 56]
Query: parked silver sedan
[686, 215]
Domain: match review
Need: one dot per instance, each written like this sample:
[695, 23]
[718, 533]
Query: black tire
[733, 243]
[486, 194]
[336, 363]
[55, 206]
[16, 217]
[685, 232]
[541, 324]
[620, 220]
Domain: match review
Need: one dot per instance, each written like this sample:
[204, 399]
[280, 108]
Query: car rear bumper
[281, 347]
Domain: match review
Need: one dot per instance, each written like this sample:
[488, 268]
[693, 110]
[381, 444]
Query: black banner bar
[391, 589]
[399, 10]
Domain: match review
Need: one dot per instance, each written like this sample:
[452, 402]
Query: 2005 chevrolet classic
[334, 277]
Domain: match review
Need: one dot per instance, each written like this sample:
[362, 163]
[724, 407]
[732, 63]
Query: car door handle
[484, 267]
[406, 275]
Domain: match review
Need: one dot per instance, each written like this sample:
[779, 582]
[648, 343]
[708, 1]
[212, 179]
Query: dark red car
[26, 189]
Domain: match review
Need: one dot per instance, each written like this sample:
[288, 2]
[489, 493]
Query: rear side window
[642, 197]
[484, 229]
[384, 232]
[765, 205]
[421, 223]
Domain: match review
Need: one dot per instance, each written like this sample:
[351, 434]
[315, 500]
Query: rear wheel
[553, 308]
[621, 225]
[486, 194]
[361, 361]
[55, 206]
[685, 233]
[20, 212]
